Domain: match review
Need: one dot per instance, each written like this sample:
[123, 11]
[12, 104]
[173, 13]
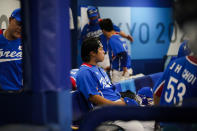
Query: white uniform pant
[136, 125]
[117, 75]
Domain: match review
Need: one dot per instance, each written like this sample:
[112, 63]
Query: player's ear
[92, 53]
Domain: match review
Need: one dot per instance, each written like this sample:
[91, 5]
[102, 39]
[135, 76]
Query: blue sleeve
[116, 46]
[116, 28]
[124, 57]
[86, 83]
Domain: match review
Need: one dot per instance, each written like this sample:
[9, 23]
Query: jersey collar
[88, 65]
[192, 59]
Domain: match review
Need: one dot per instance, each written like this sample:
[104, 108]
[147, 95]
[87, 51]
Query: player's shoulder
[81, 72]
[101, 69]
[180, 59]
[191, 60]
[117, 39]
[114, 38]
[73, 72]
[85, 68]
[85, 72]
[86, 26]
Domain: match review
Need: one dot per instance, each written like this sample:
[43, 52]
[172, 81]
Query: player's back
[180, 81]
[117, 44]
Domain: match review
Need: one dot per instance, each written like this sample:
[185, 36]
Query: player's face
[93, 18]
[14, 28]
[100, 54]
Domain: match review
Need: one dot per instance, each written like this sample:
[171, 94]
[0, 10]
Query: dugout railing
[159, 114]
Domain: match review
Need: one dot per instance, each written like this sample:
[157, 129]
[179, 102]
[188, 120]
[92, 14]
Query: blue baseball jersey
[178, 82]
[117, 45]
[95, 31]
[10, 64]
[183, 49]
[93, 80]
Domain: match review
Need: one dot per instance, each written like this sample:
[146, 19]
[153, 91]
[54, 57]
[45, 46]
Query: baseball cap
[92, 11]
[146, 91]
[145, 95]
[17, 14]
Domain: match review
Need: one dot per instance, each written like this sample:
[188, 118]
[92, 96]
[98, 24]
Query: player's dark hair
[106, 24]
[185, 11]
[88, 45]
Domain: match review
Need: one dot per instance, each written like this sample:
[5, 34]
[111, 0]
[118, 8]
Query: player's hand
[124, 71]
[107, 68]
[130, 38]
[122, 102]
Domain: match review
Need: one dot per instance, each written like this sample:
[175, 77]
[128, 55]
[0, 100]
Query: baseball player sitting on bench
[95, 85]
[92, 80]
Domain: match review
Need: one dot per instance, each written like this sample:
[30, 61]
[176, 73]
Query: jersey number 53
[175, 91]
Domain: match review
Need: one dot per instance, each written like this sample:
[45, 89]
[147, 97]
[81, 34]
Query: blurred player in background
[94, 83]
[11, 54]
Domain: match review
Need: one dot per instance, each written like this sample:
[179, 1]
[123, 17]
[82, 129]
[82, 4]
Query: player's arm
[100, 101]
[124, 70]
[128, 37]
[124, 35]
[119, 51]
[124, 57]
